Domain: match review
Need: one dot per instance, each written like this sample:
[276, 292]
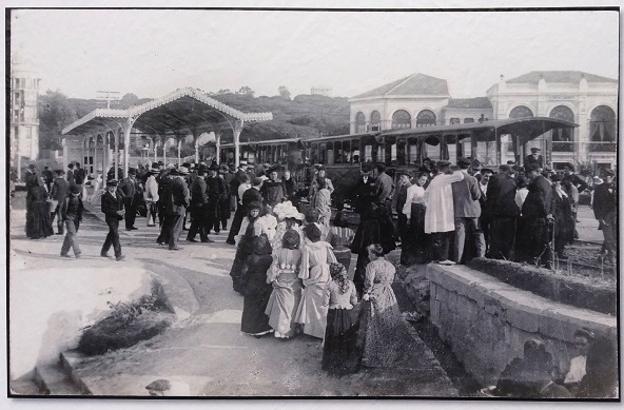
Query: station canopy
[182, 112]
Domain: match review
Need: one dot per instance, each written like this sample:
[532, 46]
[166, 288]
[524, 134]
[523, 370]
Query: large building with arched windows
[589, 100]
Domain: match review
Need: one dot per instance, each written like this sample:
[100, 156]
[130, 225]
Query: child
[340, 355]
[286, 294]
[382, 346]
[71, 215]
[314, 271]
[340, 237]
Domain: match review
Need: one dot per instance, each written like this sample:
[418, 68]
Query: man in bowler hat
[113, 208]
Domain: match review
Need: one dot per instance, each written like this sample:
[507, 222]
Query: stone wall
[486, 321]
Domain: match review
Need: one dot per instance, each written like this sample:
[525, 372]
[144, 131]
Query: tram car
[406, 149]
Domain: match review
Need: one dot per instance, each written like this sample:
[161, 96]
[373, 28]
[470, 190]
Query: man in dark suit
[48, 177]
[60, 188]
[605, 210]
[199, 201]
[215, 188]
[181, 200]
[70, 174]
[130, 191]
[466, 194]
[112, 206]
[536, 218]
[534, 158]
[503, 212]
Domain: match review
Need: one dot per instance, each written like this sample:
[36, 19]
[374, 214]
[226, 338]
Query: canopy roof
[179, 112]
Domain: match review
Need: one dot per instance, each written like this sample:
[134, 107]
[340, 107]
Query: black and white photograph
[282, 202]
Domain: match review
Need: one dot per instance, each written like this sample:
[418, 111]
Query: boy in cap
[71, 214]
[113, 208]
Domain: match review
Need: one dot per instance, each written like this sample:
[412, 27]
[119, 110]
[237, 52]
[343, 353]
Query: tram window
[393, 152]
[355, 151]
[468, 120]
[338, 152]
[323, 153]
[315, 154]
[368, 153]
[454, 121]
[413, 153]
[400, 152]
[380, 154]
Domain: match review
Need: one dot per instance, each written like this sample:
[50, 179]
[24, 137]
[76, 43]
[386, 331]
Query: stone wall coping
[521, 308]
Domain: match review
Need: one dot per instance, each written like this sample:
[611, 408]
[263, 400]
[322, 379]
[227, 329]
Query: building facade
[24, 115]
[585, 99]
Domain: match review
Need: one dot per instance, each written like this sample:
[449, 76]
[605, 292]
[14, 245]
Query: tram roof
[526, 128]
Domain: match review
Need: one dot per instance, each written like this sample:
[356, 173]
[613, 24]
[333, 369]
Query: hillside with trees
[304, 116]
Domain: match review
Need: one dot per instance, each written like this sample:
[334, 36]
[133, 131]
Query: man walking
[440, 214]
[466, 195]
[71, 215]
[60, 188]
[181, 200]
[113, 208]
[503, 212]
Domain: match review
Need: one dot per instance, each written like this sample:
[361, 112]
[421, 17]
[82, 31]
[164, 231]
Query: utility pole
[107, 96]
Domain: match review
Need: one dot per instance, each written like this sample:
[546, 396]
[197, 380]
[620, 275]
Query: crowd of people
[293, 252]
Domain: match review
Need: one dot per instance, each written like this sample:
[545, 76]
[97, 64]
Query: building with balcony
[23, 115]
[586, 99]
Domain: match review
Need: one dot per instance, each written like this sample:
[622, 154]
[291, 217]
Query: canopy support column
[95, 148]
[155, 147]
[237, 129]
[218, 147]
[116, 156]
[499, 151]
[196, 144]
[179, 146]
[473, 146]
[164, 144]
[127, 128]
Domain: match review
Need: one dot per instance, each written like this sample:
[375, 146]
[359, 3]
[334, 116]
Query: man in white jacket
[150, 194]
[440, 216]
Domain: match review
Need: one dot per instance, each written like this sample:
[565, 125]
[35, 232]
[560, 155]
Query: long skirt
[414, 248]
[254, 321]
[239, 264]
[312, 310]
[380, 324]
[38, 223]
[340, 355]
[282, 307]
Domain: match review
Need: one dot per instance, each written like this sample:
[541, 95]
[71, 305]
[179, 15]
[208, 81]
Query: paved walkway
[206, 354]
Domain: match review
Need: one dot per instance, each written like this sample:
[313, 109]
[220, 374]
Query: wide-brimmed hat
[74, 189]
[535, 149]
[405, 172]
[182, 170]
[112, 182]
[132, 171]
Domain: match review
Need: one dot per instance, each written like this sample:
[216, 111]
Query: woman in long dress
[282, 275]
[414, 246]
[38, 223]
[381, 316]
[244, 242]
[340, 355]
[255, 289]
[564, 218]
[314, 271]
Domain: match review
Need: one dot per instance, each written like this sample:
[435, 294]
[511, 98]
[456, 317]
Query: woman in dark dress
[255, 288]
[38, 215]
[244, 243]
[340, 354]
[564, 219]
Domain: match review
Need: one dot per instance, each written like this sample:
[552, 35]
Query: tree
[224, 91]
[246, 90]
[283, 92]
[55, 113]
[128, 100]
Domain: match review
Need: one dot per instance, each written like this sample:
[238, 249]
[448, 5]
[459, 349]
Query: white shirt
[415, 195]
[521, 195]
[483, 189]
[577, 370]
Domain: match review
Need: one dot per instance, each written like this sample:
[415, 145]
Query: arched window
[562, 137]
[375, 121]
[425, 118]
[360, 123]
[521, 112]
[401, 119]
[602, 129]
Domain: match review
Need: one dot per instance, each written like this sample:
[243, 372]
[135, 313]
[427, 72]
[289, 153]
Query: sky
[152, 52]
